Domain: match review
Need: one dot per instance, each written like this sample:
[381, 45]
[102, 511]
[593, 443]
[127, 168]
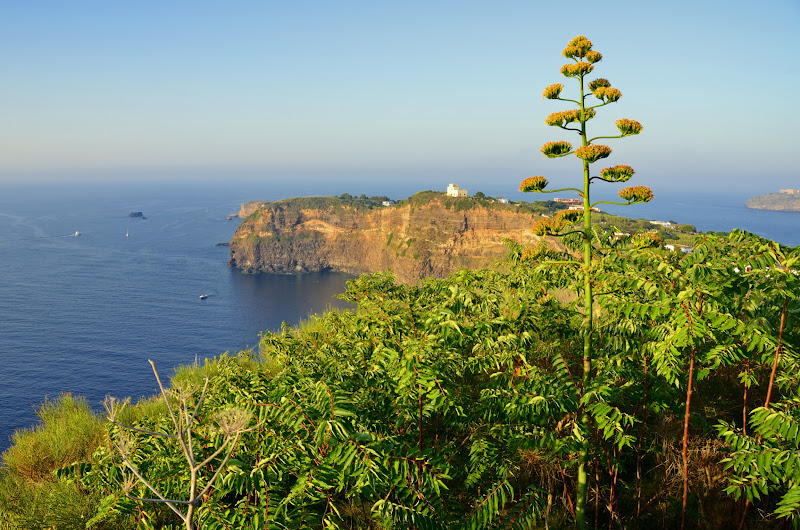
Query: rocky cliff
[250, 207]
[427, 235]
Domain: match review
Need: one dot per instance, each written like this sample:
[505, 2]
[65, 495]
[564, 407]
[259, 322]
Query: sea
[89, 294]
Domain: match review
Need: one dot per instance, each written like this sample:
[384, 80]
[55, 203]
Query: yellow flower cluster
[577, 47]
[546, 227]
[555, 149]
[594, 57]
[536, 183]
[597, 83]
[570, 216]
[560, 119]
[628, 127]
[617, 173]
[577, 69]
[592, 153]
[634, 194]
[552, 91]
[607, 93]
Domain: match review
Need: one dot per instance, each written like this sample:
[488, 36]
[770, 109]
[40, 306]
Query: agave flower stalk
[579, 50]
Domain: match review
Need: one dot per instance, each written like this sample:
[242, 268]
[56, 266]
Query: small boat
[77, 233]
[203, 296]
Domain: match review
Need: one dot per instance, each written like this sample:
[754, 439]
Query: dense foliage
[451, 405]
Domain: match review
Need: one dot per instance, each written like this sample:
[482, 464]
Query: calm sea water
[719, 212]
[85, 313]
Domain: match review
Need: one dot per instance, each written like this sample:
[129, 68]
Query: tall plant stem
[777, 353]
[686, 442]
[419, 428]
[744, 398]
[639, 451]
[582, 486]
[767, 401]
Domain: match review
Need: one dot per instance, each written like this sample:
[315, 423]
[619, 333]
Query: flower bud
[592, 153]
[546, 227]
[607, 94]
[617, 173]
[628, 127]
[555, 119]
[552, 91]
[636, 194]
[560, 119]
[578, 47]
[598, 83]
[556, 149]
[576, 69]
[570, 216]
[594, 57]
[537, 183]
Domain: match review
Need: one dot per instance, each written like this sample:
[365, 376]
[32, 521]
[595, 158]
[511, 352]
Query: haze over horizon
[99, 91]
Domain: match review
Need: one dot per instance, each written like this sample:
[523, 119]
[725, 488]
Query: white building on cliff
[454, 191]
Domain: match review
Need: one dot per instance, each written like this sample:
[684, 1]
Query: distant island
[784, 200]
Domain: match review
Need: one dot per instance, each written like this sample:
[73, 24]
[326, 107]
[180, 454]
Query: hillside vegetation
[447, 405]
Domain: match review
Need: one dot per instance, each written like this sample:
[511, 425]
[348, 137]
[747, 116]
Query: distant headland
[432, 233]
[429, 234]
[784, 200]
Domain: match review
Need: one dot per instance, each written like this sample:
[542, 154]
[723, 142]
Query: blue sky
[109, 89]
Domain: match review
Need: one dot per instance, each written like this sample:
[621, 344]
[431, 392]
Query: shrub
[68, 431]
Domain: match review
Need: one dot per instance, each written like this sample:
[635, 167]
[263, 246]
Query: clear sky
[108, 88]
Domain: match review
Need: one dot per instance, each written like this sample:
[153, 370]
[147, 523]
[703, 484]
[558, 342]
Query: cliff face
[434, 237]
[249, 208]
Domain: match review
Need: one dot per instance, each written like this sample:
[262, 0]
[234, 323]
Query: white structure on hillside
[665, 224]
[674, 248]
[454, 191]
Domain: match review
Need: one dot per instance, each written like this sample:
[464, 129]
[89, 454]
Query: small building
[665, 224]
[454, 191]
[388, 203]
[501, 200]
[790, 192]
[674, 248]
[569, 202]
